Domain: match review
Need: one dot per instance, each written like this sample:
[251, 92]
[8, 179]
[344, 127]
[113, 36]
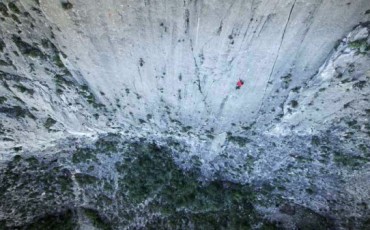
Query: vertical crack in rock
[275, 60]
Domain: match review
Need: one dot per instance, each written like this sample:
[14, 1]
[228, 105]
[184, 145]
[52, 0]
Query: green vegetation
[286, 80]
[177, 122]
[3, 225]
[85, 179]
[24, 89]
[310, 191]
[84, 155]
[16, 19]
[96, 220]
[174, 198]
[360, 85]
[296, 89]
[18, 148]
[33, 187]
[4, 63]
[17, 158]
[2, 44]
[108, 186]
[67, 5]
[14, 8]
[366, 224]
[239, 140]
[61, 221]
[57, 61]
[294, 103]
[315, 140]
[364, 149]
[85, 92]
[49, 122]
[361, 45]
[148, 171]
[91, 168]
[108, 143]
[45, 43]
[32, 161]
[3, 11]
[249, 163]
[348, 160]
[322, 89]
[59, 91]
[249, 127]
[27, 49]
[61, 82]
[2, 100]
[353, 124]
[345, 106]
[138, 96]
[17, 112]
[186, 129]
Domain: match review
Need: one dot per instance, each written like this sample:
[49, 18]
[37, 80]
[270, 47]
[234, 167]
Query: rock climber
[239, 84]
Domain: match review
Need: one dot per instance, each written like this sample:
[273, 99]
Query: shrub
[67, 5]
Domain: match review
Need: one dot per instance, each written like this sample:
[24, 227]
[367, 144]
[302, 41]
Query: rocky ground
[124, 115]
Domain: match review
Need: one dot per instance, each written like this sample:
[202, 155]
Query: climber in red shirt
[239, 84]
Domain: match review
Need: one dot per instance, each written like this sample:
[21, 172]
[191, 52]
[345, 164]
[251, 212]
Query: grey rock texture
[96, 97]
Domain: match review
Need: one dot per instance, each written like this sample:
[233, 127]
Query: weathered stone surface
[124, 114]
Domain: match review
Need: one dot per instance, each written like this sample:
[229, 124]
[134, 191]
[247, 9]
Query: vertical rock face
[125, 114]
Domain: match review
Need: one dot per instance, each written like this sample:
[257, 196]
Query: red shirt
[239, 83]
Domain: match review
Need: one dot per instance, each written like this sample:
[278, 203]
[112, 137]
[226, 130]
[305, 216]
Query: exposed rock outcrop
[124, 114]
